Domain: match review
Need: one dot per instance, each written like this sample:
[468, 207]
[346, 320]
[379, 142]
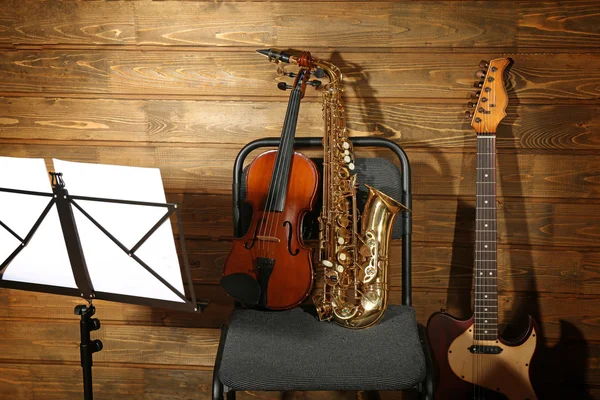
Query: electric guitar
[473, 361]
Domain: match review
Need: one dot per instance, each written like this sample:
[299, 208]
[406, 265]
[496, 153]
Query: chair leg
[428, 386]
[229, 394]
[367, 395]
[218, 388]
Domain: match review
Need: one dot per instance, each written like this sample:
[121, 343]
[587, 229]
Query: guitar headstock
[492, 99]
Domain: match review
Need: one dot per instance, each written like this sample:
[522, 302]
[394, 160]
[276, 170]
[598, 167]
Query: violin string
[279, 175]
[272, 191]
[289, 156]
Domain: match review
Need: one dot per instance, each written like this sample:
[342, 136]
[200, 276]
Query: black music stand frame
[85, 289]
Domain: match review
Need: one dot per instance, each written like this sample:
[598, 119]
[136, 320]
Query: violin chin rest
[242, 287]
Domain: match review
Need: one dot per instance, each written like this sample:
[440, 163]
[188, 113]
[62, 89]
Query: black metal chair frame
[426, 387]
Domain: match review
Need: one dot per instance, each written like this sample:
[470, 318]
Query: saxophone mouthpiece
[272, 55]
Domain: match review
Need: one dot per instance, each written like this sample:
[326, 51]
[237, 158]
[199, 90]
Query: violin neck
[281, 170]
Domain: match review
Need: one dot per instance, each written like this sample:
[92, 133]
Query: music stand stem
[87, 346]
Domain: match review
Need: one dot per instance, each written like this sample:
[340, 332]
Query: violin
[270, 267]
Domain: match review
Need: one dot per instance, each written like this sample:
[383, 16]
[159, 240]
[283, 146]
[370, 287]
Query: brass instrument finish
[354, 292]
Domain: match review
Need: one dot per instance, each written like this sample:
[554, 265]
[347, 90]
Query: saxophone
[355, 263]
[355, 288]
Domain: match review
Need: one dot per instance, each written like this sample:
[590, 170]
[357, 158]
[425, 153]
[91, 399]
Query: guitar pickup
[482, 349]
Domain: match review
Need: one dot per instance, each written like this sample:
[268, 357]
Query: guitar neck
[486, 287]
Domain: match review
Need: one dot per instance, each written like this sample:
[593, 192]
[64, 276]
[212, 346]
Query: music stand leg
[87, 346]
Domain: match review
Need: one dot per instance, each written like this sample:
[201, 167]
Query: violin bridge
[268, 238]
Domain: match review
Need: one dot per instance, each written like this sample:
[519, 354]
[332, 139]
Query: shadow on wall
[557, 372]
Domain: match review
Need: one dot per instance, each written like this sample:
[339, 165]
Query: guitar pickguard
[506, 372]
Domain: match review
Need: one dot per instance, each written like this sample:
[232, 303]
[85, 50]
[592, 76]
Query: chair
[291, 350]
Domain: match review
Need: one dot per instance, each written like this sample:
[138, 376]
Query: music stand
[70, 273]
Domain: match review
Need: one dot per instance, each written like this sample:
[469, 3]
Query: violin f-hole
[289, 245]
[254, 237]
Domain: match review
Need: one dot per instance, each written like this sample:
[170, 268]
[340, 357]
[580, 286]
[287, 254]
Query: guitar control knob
[468, 115]
[483, 64]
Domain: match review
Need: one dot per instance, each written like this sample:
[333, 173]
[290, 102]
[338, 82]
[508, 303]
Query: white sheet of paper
[45, 259]
[112, 270]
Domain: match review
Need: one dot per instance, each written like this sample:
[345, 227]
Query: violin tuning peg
[478, 85]
[314, 83]
[468, 115]
[483, 64]
[480, 74]
[290, 74]
[319, 73]
[283, 86]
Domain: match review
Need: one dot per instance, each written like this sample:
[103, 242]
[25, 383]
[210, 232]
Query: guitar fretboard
[486, 289]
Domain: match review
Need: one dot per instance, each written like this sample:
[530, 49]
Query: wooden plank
[457, 24]
[59, 341]
[567, 316]
[19, 303]
[543, 127]
[529, 221]
[208, 168]
[59, 382]
[195, 74]
[544, 269]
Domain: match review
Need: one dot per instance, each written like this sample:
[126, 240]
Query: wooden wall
[177, 85]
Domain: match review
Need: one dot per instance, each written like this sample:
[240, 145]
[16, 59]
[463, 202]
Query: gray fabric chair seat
[292, 350]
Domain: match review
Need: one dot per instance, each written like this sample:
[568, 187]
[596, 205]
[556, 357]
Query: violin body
[270, 266]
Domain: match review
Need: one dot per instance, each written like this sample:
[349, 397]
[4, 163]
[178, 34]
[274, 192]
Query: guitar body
[464, 375]
[275, 236]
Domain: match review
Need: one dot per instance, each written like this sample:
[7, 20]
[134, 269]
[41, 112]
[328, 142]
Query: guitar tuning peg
[468, 115]
[480, 74]
[483, 64]
[471, 104]
[475, 95]
[478, 85]
[283, 86]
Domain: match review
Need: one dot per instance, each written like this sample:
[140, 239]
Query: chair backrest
[380, 173]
